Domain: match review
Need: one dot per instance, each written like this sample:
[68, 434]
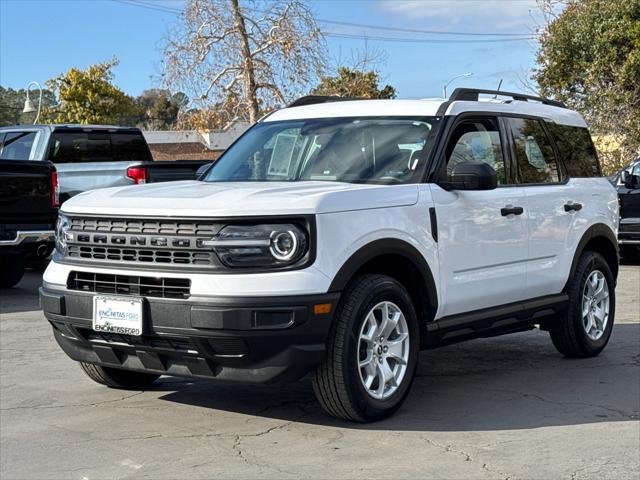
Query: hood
[226, 199]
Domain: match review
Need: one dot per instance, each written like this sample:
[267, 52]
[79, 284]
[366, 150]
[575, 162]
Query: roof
[426, 108]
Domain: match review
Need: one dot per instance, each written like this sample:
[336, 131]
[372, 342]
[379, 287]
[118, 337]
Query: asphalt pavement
[507, 407]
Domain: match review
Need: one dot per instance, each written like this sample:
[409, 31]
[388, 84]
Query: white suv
[340, 238]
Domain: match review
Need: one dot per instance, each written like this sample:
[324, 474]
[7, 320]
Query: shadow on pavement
[507, 383]
[24, 296]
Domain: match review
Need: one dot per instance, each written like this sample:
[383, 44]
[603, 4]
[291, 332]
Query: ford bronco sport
[339, 238]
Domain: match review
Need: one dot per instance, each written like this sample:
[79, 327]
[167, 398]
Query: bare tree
[241, 59]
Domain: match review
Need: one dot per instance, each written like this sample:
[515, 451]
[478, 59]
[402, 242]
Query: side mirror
[630, 181]
[202, 170]
[472, 176]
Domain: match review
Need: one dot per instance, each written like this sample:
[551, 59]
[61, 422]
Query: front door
[482, 235]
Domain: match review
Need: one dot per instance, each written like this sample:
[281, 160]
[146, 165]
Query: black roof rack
[473, 94]
[314, 99]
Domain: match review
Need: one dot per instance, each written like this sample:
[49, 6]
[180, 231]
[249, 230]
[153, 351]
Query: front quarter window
[354, 150]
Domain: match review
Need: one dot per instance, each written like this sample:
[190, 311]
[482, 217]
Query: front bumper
[248, 340]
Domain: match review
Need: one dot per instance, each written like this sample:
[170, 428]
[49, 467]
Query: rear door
[549, 198]
[482, 247]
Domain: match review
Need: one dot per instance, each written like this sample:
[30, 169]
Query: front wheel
[585, 328]
[372, 351]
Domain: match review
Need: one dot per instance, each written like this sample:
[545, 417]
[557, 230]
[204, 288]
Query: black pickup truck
[29, 200]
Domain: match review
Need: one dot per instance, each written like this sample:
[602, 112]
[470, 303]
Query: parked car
[627, 181]
[88, 157]
[340, 238]
[28, 209]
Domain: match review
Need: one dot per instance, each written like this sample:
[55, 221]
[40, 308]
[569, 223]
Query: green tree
[589, 57]
[159, 109]
[350, 82]
[12, 103]
[88, 96]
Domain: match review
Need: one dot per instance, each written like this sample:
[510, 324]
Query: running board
[493, 321]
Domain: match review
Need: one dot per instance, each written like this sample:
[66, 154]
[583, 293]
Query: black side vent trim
[434, 223]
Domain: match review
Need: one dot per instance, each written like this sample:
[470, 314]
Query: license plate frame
[116, 314]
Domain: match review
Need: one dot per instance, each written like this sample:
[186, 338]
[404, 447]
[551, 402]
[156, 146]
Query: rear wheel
[11, 270]
[372, 351]
[118, 378]
[585, 328]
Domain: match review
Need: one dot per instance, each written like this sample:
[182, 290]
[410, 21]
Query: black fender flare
[594, 231]
[389, 246]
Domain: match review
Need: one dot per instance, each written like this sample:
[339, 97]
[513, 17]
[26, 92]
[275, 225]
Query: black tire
[569, 335]
[118, 378]
[11, 270]
[337, 382]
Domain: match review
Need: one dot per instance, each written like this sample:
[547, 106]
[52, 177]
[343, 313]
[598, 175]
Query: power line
[162, 8]
[415, 30]
[421, 40]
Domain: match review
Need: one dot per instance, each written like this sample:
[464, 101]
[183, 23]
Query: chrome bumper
[33, 236]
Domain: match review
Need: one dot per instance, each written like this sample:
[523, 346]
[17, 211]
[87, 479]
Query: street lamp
[444, 89]
[28, 104]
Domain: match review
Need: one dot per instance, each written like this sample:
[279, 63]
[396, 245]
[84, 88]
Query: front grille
[129, 285]
[143, 255]
[144, 226]
[172, 243]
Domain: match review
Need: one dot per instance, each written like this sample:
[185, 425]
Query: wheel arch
[599, 238]
[401, 261]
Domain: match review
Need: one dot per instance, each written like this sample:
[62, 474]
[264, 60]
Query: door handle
[572, 207]
[509, 210]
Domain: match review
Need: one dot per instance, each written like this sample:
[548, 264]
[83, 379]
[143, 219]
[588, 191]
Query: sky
[40, 39]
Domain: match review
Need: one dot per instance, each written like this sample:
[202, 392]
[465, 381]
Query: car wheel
[11, 270]
[372, 351]
[585, 328]
[118, 378]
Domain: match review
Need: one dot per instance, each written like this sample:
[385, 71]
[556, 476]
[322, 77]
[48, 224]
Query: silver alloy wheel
[383, 350]
[595, 305]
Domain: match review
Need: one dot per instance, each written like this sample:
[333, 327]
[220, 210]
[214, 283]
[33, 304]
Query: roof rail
[473, 94]
[314, 99]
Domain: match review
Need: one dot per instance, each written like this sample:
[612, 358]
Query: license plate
[117, 315]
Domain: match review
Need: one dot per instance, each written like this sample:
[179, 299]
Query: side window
[577, 151]
[18, 145]
[535, 157]
[129, 146]
[477, 141]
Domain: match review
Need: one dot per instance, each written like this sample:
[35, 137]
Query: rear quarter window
[576, 149]
[97, 146]
[18, 145]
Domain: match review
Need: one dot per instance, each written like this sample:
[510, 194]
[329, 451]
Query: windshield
[354, 150]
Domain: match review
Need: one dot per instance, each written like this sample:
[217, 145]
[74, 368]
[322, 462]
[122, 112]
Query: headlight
[62, 234]
[266, 245]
